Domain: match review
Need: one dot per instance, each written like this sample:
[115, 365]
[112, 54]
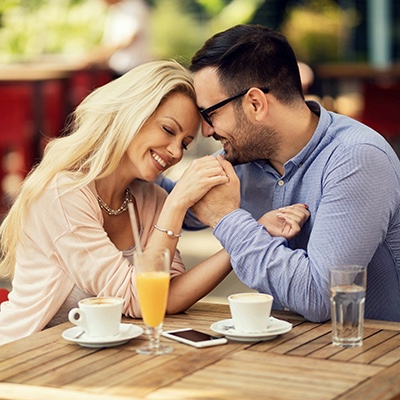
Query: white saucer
[126, 332]
[276, 327]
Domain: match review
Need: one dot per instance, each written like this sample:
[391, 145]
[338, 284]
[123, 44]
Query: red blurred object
[3, 294]
[16, 136]
[382, 108]
[32, 112]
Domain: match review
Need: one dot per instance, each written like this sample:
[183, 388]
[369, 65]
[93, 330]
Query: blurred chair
[3, 295]
[16, 137]
[82, 82]
[381, 110]
[27, 123]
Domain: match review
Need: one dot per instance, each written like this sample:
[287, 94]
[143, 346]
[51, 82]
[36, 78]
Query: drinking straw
[135, 228]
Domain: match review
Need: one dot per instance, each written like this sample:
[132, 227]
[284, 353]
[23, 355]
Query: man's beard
[250, 142]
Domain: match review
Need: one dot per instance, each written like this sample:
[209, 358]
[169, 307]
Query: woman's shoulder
[65, 190]
[64, 182]
[63, 178]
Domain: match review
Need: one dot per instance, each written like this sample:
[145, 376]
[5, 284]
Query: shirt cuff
[234, 225]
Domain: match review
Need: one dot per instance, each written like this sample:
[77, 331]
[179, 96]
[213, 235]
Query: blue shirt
[349, 177]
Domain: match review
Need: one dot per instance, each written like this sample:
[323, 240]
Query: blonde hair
[103, 127]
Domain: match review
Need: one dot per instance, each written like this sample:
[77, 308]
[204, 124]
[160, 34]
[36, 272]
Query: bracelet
[169, 233]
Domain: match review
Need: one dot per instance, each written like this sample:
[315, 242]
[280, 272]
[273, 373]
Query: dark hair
[252, 55]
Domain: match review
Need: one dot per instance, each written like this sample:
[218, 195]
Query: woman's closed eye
[172, 133]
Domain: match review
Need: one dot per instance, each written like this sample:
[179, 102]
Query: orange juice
[152, 290]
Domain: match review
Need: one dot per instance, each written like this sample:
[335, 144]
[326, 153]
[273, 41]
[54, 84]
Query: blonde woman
[68, 235]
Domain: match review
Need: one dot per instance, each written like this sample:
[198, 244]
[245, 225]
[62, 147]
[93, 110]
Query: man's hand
[201, 175]
[221, 199]
[286, 221]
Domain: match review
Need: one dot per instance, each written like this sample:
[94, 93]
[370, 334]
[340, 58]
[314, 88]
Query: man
[287, 151]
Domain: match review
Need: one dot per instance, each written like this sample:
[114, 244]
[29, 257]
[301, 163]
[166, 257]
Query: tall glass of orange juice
[152, 281]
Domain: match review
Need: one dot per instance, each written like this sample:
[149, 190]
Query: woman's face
[166, 134]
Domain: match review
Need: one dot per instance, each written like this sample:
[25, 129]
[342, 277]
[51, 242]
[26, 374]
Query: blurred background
[54, 52]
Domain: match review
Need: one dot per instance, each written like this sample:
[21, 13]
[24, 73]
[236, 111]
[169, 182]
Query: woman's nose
[175, 149]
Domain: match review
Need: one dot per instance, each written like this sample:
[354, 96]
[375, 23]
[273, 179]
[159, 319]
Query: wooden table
[301, 364]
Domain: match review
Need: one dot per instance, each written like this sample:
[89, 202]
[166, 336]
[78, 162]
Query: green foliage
[212, 7]
[236, 12]
[317, 29]
[32, 28]
[176, 32]
[179, 33]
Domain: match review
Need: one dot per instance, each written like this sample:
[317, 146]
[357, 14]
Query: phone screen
[194, 336]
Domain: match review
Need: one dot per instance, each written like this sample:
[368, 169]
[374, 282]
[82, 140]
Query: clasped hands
[218, 194]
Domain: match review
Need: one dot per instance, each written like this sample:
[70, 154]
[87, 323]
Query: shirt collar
[322, 126]
[323, 123]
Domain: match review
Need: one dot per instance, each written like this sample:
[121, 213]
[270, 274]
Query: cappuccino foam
[250, 298]
[100, 301]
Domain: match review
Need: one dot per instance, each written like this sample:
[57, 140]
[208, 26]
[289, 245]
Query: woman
[68, 235]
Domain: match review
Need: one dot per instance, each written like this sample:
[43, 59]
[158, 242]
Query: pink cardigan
[65, 246]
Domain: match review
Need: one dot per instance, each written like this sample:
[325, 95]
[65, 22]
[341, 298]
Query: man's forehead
[207, 87]
[206, 74]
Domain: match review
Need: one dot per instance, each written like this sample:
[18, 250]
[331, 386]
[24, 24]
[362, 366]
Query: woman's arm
[187, 288]
[196, 181]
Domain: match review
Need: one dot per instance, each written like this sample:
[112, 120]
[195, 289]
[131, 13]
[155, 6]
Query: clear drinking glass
[347, 288]
[152, 281]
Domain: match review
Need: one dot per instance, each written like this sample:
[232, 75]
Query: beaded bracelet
[169, 233]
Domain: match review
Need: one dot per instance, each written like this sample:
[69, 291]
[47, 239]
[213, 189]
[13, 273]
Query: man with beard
[287, 150]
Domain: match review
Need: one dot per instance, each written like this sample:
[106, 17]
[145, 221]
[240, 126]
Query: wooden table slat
[125, 378]
[384, 386]
[12, 391]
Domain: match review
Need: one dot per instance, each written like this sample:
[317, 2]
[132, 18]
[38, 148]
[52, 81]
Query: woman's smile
[160, 161]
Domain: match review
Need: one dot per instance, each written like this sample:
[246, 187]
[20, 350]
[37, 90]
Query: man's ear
[255, 105]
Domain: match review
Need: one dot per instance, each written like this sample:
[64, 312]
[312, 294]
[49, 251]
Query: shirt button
[281, 182]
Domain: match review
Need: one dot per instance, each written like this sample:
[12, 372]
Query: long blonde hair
[102, 128]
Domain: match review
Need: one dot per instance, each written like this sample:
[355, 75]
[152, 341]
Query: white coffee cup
[98, 316]
[250, 311]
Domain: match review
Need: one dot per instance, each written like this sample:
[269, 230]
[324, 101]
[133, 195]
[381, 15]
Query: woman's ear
[255, 105]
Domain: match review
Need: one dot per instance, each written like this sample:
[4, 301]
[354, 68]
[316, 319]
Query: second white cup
[250, 311]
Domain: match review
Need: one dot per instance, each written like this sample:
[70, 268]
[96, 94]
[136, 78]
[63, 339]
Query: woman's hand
[286, 221]
[221, 199]
[201, 175]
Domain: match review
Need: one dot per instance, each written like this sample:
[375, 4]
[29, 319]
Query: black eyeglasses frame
[204, 113]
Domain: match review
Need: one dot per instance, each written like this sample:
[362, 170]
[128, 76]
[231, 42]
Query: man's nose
[206, 129]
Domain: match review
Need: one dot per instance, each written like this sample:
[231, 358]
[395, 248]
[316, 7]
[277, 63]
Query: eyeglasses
[205, 113]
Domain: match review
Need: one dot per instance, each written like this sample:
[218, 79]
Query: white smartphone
[194, 338]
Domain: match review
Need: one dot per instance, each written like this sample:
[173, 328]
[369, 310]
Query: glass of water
[347, 293]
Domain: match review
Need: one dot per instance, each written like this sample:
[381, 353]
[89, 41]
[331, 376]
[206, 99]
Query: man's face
[243, 141]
